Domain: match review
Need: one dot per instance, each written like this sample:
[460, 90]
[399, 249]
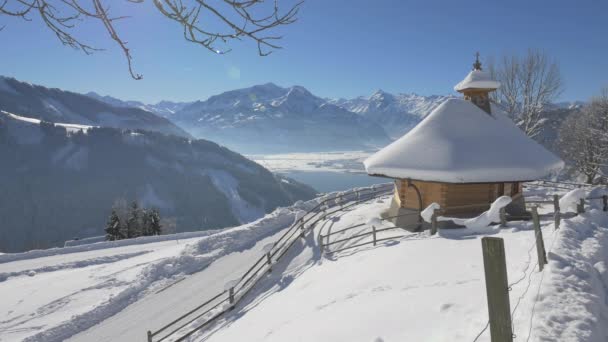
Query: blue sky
[338, 48]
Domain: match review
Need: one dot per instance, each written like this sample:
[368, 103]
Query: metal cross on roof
[477, 64]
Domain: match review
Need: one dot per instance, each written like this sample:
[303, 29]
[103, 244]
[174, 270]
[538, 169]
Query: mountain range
[269, 118]
[161, 108]
[396, 113]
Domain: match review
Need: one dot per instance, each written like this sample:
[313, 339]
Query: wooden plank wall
[450, 195]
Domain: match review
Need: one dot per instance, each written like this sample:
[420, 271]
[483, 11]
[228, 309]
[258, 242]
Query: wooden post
[497, 289]
[540, 243]
[580, 208]
[269, 260]
[374, 233]
[434, 222]
[321, 243]
[149, 336]
[605, 201]
[503, 217]
[556, 214]
[231, 297]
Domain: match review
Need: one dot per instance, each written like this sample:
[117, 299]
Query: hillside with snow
[410, 287]
[60, 181]
[269, 119]
[56, 105]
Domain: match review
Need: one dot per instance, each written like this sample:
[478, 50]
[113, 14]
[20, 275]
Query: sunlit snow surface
[416, 288]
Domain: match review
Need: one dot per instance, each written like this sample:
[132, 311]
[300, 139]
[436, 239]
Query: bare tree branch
[252, 20]
[528, 85]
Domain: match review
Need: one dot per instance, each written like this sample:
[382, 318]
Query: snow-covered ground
[71, 128]
[422, 288]
[55, 294]
[414, 288]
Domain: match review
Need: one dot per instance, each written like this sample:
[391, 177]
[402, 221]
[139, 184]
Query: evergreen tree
[134, 228]
[155, 226]
[113, 227]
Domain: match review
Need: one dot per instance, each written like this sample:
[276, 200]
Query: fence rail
[372, 230]
[181, 328]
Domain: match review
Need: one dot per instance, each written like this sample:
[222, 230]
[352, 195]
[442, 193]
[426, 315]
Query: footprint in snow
[445, 307]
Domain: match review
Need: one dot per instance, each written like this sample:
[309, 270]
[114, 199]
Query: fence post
[580, 208]
[374, 233]
[269, 260]
[231, 297]
[321, 243]
[557, 213]
[434, 222]
[605, 201]
[540, 243]
[497, 289]
[149, 336]
[503, 217]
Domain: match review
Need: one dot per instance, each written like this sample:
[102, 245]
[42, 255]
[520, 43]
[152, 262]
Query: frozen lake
[324, 171]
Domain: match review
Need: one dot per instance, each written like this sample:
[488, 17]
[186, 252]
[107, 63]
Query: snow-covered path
[116, 293]
[45, 292]
[160, 308]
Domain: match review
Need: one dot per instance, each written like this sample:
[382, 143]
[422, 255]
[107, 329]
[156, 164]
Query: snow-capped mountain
[55, 105]
[60, 181]
[162, 108]
[397, 114]
[268, 118]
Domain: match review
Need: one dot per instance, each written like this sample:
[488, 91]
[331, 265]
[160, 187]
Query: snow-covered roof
[477, 79]
[460, 143]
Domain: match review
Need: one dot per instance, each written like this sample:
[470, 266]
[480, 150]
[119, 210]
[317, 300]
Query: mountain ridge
[56, 105]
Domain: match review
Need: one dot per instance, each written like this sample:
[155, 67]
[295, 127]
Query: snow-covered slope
[416, 288]
[396, 113]
[55, 105]
[52, 295]
[162, 108]
[59, 182]
[268, 118]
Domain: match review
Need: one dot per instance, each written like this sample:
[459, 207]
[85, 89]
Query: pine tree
[113, 227]
[134, 221]
[155, 226]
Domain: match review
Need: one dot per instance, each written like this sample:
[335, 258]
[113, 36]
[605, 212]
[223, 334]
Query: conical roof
[460, 143]
[477, 79]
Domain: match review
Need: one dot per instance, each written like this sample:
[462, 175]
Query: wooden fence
[205, 313]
